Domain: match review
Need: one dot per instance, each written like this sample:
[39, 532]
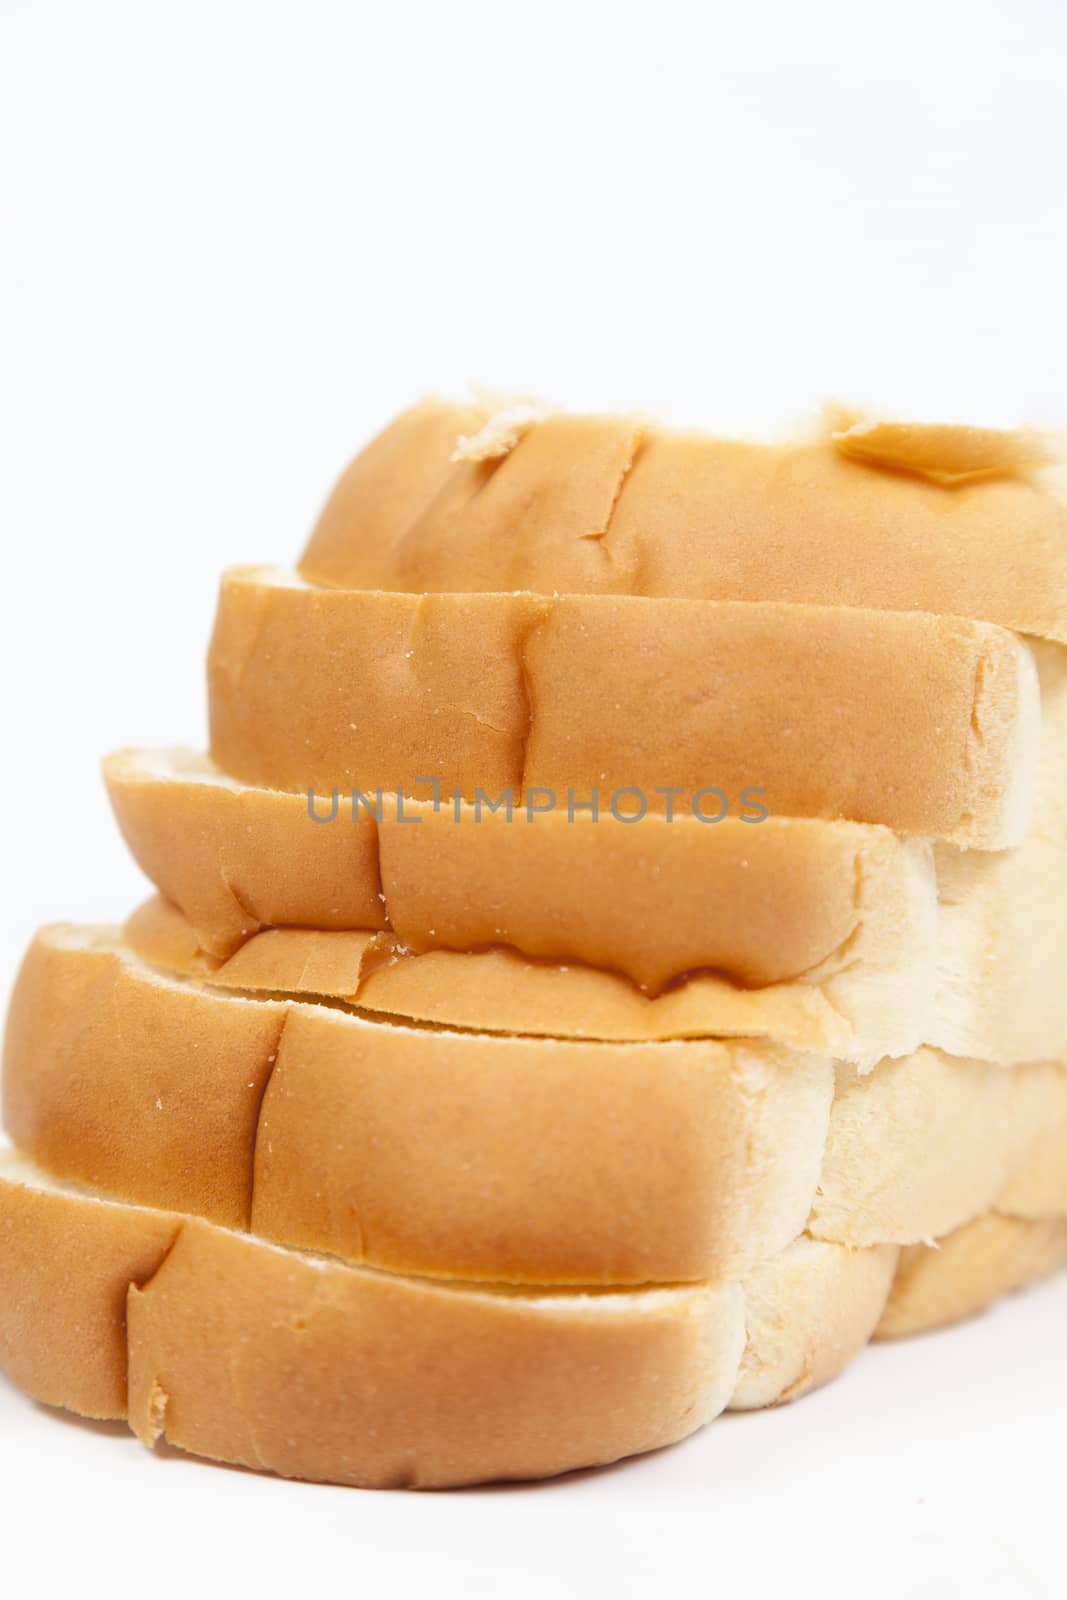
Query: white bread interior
[944, 1281]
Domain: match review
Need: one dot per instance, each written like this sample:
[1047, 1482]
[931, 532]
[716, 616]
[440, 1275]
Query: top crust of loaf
[895, 516]
[945, 453]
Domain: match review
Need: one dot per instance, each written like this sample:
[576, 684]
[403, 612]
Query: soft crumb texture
[992, 1256]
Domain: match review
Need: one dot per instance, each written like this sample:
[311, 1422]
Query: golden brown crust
[306, 1367]
[146, 1089]
[388, 485]
[303, 1366]
[945, 453]
[761, 904]
[497, 990]
[65, 1271]
[237, 859]
[466, 1155]
[617, 1166]
[320, 689]
[481, 1156]
[887, 515]
[385, 1382]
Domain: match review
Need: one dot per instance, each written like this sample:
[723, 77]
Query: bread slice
[974, 971]
[500, 991]
[897, 517]
[900, 945]
[927, 724]
[231, 1348]
[457, 1154]
[760, 904]
[479, 1156]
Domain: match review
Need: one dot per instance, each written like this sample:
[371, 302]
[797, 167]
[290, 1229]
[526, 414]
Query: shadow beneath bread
[70, 1419]
[121, 1430]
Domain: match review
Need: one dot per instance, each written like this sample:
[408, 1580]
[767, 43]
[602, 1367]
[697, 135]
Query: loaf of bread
[605, 972]
[927, 724]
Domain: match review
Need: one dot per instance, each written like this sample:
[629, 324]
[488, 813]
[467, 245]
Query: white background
[235, 238]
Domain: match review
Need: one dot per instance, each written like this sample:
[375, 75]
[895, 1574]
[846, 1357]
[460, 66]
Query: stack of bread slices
[605, 972]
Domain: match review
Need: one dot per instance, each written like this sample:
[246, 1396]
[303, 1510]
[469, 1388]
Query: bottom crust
[245, 1352]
